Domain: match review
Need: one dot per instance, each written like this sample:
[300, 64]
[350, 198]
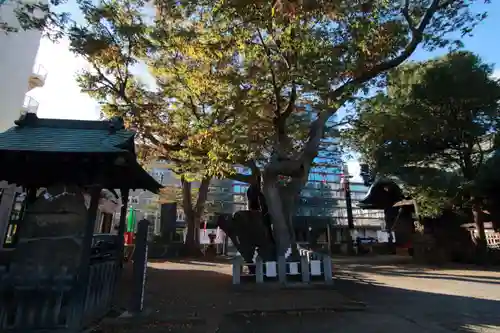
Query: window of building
[134, 200]
[239, 198]
[237, 188]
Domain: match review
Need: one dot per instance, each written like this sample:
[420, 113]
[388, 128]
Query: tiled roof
[60, 135]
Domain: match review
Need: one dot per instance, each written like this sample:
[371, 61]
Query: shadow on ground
[425, 273]
[429, 311]
[201, 299]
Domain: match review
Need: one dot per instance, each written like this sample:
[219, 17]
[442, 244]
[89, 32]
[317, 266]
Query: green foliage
[230, 80]
[226, 77]
[433, 127]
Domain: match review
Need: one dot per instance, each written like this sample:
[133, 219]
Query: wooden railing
[103, 277]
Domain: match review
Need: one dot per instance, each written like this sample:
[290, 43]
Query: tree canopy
[230, 80]
[434, 127]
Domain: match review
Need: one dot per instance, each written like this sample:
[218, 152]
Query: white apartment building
[18, 72]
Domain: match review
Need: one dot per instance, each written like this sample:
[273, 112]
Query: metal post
[329, 238]
[140, 266]
[348, 203]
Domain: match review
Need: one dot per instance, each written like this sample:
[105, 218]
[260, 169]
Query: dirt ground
[196, 296]
[378, 294]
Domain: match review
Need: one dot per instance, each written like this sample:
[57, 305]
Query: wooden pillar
[140, 266]
[84, 265]
[123, 220]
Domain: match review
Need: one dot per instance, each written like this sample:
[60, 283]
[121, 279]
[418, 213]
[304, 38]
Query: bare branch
[291, 105]
[406, 14]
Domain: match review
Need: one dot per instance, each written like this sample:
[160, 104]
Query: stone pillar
[237, 266]
[304, 268]
[282, 269]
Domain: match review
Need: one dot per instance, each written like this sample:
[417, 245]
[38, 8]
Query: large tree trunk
[279, 216]
[192, 242]
[281, 200]
[193, 214]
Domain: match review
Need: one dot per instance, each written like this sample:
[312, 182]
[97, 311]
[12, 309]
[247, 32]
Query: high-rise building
[18, 74]
[147, 204]
[322, 207]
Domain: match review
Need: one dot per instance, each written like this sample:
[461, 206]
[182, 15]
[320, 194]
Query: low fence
[312, 266]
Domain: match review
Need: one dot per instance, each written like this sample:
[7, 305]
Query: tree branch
[416, 39]
[276, 88]
[291, 105]
[340, 95]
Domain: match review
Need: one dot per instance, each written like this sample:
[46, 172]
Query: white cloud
[354, 169]
[496, 73]
[61, 96]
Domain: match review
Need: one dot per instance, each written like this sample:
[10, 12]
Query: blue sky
[61, 97]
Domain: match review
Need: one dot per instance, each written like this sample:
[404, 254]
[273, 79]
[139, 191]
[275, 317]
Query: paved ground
[459, 299]
[198, 297]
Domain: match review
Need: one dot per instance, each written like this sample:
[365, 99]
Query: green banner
[131, 220]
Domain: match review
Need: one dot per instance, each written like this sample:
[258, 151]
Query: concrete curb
[298, 311]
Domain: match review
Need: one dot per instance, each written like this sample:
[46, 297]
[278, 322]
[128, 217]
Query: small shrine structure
[56, 277]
